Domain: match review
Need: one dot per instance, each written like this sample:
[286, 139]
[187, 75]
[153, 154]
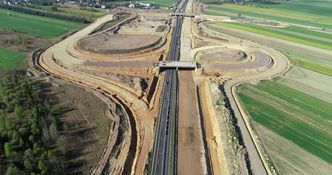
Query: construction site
[168, 81]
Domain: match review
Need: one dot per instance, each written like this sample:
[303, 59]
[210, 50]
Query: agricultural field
[311, 65]
[9, 58]
[302, 12]
[37, 26]
[301, 119]
[290, 33]
[21, 33]
[76, 11]
[309, 82]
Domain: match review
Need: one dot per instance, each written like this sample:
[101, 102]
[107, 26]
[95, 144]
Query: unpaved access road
[312, 53]
[280, 66]
[59, 62]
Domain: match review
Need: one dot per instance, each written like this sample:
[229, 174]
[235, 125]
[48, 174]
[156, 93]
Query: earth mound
[106, 43]
[221, 55]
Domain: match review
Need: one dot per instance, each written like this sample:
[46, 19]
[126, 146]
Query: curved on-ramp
[59, 62]
[280, 65]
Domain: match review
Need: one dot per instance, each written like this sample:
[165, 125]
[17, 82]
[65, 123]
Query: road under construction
[166, 118]
[164, 160]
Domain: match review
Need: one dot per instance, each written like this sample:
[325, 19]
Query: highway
[164, 160]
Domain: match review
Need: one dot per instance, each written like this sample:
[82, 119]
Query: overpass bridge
[183, 15]
[176, 65]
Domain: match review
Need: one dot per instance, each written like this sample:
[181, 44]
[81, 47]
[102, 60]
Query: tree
[18, 111]
[54, 8]
[8, 149]
[42, 166]
[13, 170]
[35, 128]
[62, 144]
[28, 165]
[3, 125]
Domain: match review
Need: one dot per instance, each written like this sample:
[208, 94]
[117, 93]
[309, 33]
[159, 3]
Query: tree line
[31, 11]
[29, 133]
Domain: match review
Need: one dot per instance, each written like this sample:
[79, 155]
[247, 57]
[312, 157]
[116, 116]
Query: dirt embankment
[116, 135]
[60, 61]
[86, 122]
[280, 66]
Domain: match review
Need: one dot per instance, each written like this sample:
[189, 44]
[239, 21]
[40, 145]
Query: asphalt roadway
[164, 160]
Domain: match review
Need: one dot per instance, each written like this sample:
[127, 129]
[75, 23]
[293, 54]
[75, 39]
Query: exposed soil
[86, 127]
[64, 60]
[229, 143]
[144, 24]
[130, 81]
[197, 42]
[189, 130]
[20, 42]
[137, 64]
[116, 19]
[221, 55]
[117, 44]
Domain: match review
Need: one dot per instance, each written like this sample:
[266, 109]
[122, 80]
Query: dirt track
[263, 56]
[280, 66]
[58, 61]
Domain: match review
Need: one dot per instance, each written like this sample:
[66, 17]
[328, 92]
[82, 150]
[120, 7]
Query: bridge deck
[177, 64]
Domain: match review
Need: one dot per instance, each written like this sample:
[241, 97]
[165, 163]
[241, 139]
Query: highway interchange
[165, 151]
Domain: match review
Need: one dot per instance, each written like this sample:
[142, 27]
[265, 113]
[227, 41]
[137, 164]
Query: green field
[300, 118]
[294, 34]
[76, 11]
[35, 25]
[302, 12]
[9, 58]
[320, 68]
